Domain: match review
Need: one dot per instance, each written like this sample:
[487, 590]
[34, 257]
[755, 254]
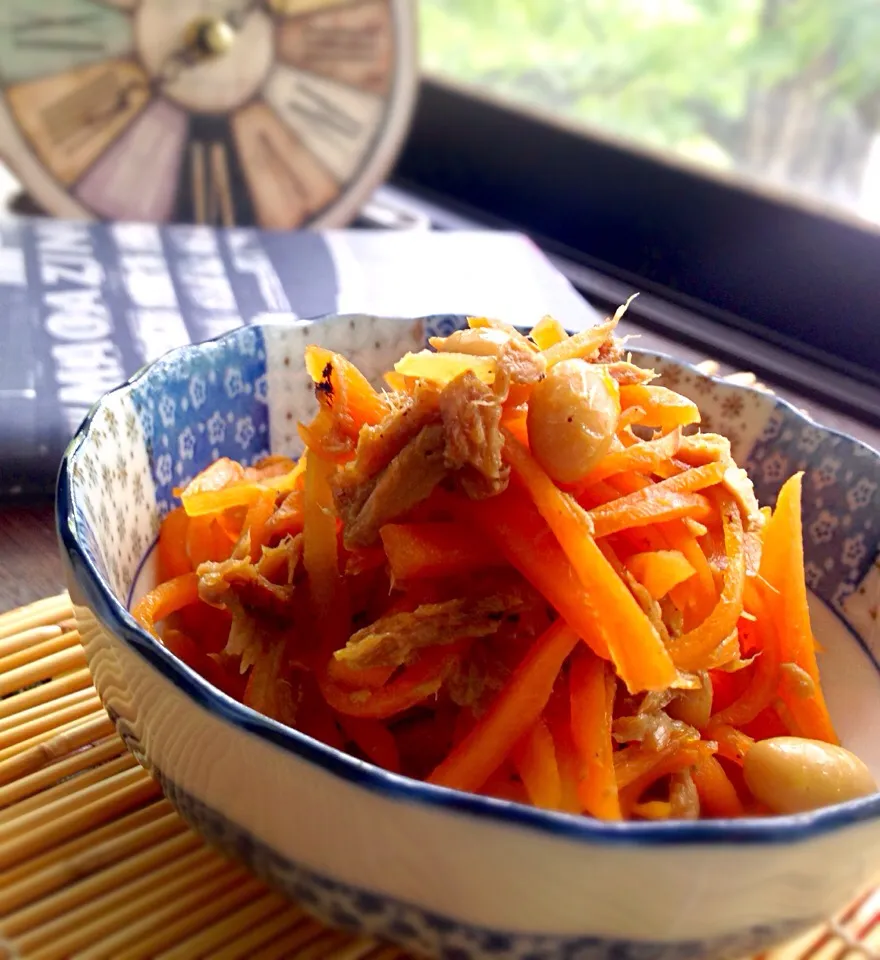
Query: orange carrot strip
[652, 810]
[636, 771]
[215, 501]
[512, 713]
[173, 559]
[765, 673]
[345, 390]
[718, 798]
[647, 510]
[415, 684]
[374, 739]
[609, 610]
[206, 541]
[782, 565]
[592, 707]
[511, 522]
[358, 678]
[535, 760]
[256, 523]
[658, 571]
[289, 480]
[442, 368]
[219, 475]
[582, 344]
[396, 381]
[322, 438]
[733, 744]
[642, 457]
[476, 323]
[517, 427]
[417, 550]
[692, 649]
[663, 408]
[547, 332]
[288, 518]
[273, 467]
[703, 586]
[165, 599]
[665, 500]
[191, 653]
[568, 761]
[320, 547]
[321, 556]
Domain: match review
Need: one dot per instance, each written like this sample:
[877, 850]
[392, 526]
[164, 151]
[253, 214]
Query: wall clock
[280, 113]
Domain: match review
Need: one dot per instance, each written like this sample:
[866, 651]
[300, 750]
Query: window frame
[752, 260]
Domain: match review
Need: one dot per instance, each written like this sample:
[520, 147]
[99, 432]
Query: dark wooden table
[29, 561]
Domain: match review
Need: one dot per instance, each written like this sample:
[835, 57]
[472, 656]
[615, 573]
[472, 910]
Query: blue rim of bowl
[115, 618]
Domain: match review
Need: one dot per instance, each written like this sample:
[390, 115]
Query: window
[784, 93]
[719, 155]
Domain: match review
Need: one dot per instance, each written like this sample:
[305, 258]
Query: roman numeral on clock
[72, 32]
[322, 114]
[335, 121]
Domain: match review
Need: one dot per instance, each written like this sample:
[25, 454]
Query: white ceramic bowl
[440, 872]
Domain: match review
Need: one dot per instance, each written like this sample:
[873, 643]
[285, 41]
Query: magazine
[85, 305]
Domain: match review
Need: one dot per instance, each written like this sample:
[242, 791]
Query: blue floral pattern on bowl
[205, 407]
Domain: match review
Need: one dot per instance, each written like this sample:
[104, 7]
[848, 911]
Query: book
[84, 305]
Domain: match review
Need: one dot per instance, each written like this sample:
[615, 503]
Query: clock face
[280, 113]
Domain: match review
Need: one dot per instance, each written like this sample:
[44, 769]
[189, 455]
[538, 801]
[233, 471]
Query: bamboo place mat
[94, 863]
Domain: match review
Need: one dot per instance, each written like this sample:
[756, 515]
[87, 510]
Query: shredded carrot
[374, 739]
[718, 798]
[764, 674]
[642, 457]
[582, 344]
[659, 502]
[512, 713]
[444, 367]
[547, 332]
[637, 769]
[323, 438]
[691, 649]
[663, 408]
[321, 556]
[167, 598]
[658, 571]
[344, 388]
[417, 550]
[535, 760]
[592, 710]
[358, 678]
[219, 475]
[702, 593]
[416, 683]
[256, 524]
[568, 761]
[623, 629]
[782, 566]
[206, 540]
[476, 323]
[733, 744]
[418, 591]
[173, 555]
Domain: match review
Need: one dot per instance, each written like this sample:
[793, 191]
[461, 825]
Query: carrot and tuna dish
[518, 570]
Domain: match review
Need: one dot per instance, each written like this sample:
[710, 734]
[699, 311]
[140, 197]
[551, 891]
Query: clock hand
[237, 16]
[208, 39]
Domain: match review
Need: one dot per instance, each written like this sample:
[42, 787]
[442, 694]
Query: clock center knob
[229, 64]
[211, 37]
